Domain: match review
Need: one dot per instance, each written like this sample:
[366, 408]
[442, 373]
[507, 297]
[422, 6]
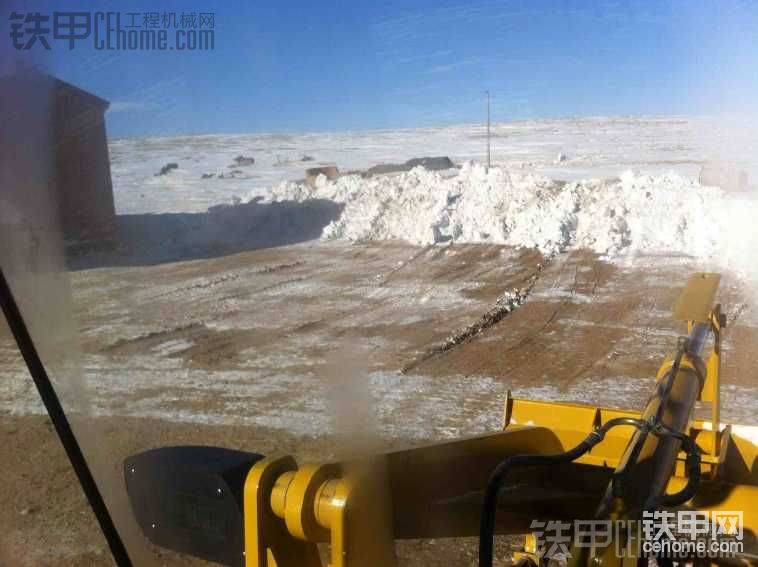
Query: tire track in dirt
[388, 276]
[228, 278]
[504, 306]
[553, 316]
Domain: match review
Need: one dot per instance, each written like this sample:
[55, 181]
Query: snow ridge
[624, 216]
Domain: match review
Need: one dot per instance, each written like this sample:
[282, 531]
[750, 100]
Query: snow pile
[632, 214]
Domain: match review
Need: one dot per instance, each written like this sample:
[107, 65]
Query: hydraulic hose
[499, 474]
[489, 505]
[692, 465]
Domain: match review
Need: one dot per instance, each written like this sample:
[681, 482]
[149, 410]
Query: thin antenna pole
[60, 422]
[489, 154]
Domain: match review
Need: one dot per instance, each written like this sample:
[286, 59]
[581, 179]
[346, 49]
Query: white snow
[625, 216]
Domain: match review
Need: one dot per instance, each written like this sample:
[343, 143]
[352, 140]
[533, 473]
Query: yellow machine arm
[551, 461]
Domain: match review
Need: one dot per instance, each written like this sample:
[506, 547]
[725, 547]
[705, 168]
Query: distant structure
[83, 172]
[329, 171]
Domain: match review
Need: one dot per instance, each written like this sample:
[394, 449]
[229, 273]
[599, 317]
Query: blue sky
[349, 65]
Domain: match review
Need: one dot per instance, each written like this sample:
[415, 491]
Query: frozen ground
[281, 337]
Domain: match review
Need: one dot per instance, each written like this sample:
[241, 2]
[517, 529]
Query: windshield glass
[331, 230]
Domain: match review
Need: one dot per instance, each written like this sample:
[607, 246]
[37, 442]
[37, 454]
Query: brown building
[83, 173]
[54, 165]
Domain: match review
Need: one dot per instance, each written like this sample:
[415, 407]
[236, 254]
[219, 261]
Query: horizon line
[589, 117]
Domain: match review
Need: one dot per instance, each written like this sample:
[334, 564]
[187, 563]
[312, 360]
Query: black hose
[60, 422]
[489, 505]
[690, 489]
[692, 465]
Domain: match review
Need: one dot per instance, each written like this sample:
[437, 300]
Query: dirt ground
[285, 350]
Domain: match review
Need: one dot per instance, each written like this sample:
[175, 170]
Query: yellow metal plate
[696, 301]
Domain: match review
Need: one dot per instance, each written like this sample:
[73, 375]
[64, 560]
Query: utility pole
[489, 155]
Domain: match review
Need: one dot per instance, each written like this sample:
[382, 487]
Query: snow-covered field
[616, 186]
[568, 149]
